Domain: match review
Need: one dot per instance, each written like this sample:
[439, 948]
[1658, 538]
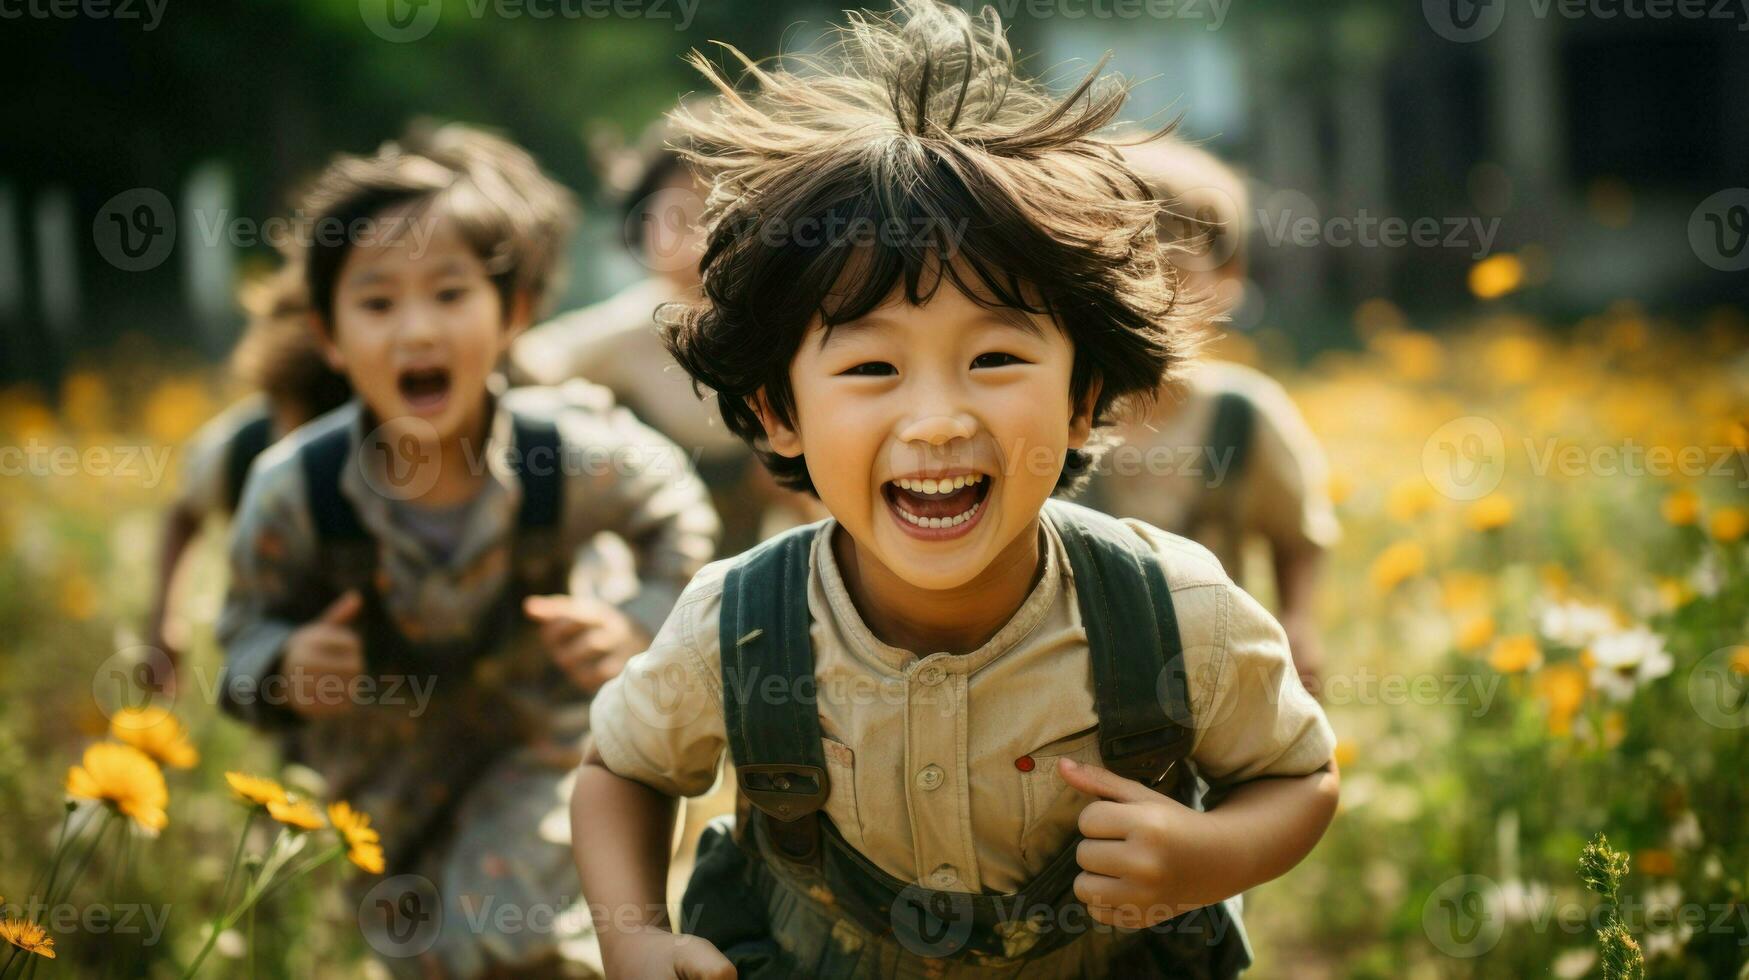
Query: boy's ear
[325, 343]
[784, 440]
[1081, 422]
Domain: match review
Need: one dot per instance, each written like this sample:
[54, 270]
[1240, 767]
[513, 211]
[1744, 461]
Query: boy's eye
[377, 304]
[870, 369]
[451, 294]
[995, 359]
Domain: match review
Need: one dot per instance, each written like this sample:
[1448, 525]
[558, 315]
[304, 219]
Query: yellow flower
[1490, 513]
[1397, 564]
[297, 814]
[1409, 500]
[1495, 276]
[1514, 359]
[1463, 590]
[365, 849]
[1562, 687]
[1475, 633]
[28, 936]
[1656, 862]
[156, 732]
[1346, 752]
[1682, 508]
[1740, 659]
[1729, 524]
[125, 777]
[255, 789]
[1514, 654]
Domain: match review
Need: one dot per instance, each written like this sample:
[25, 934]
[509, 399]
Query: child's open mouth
[939, 508]
[426, 390]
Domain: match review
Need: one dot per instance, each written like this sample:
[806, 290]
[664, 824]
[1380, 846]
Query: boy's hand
[654, 952]
[589, 639]
[326, 647]
[1146, 857]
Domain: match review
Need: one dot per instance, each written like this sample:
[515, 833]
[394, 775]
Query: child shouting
[977, 731]
[398, 565]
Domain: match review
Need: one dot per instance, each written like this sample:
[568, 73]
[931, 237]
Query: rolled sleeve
[1252, 717]
[660, 721]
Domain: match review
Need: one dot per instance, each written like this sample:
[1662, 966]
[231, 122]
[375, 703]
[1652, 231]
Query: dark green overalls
[783, 894]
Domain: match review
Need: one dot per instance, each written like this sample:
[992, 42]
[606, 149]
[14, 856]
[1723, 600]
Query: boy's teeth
[954, 521]
[947, 485]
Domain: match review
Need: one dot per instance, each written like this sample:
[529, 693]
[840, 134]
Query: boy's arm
[272, 557]
[642, 487]
[626, 880]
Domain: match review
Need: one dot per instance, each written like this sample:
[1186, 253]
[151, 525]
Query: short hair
[278, 354]
[918, 121]
[1206, 204]
[514, 217]
[651, 164]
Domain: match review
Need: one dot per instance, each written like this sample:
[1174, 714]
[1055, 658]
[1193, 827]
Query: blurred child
[970, 723]
[278, 357]
[615, 343]
[399, 566]
[1224, 457]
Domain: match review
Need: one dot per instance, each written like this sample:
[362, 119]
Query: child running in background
[1224, 457]
[979, 731]
[615, 343]
[398, 600]
[279, 359]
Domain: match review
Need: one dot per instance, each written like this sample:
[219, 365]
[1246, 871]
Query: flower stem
[224, 896]
[66, 887]
[61, 847]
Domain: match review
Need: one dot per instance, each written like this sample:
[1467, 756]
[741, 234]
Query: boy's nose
[938, 428]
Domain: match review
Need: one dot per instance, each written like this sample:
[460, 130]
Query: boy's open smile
[425, 389]
[937, 506]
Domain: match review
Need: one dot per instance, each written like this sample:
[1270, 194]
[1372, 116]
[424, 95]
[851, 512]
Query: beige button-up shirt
[922, 750]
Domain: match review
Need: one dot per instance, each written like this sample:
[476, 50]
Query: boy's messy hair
[278, 354]
[917, 123]
[512, 214]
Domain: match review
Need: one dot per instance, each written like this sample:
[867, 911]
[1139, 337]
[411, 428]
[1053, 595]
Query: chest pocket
[1050, 808]
[841, 802]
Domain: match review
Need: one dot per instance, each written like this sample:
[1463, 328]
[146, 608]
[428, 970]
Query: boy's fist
[589, 639]
[323, 657]
[1144, 856]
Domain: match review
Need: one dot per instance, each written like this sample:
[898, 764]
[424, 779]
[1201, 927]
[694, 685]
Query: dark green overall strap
[248, 442]
[1229, 436]
[770, 711]
[1132, 636]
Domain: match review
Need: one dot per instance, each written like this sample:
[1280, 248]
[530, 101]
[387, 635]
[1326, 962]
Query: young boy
[1224, 457]
[392, 560]
[957, 709]
[293, 382]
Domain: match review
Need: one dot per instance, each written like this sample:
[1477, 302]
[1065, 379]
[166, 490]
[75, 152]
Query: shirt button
[931, 675]
[945, 876]
[929, 777]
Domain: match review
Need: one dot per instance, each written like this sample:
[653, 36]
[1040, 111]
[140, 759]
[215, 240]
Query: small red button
[1024, 763]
